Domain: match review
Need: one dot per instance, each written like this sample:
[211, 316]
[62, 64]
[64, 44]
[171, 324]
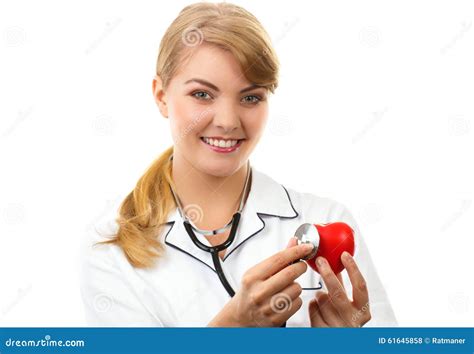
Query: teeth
[221, 143]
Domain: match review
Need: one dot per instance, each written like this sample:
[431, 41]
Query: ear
[160, 96]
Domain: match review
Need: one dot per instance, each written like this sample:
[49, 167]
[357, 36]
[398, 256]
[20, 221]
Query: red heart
[334, 239]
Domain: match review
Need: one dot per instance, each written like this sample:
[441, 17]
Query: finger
[293, 241]
[283, 278]
[280, 260]
[281, 316]
[290, 293]
[335, 289]
[328, 311]
[360, 294]
[315, 317]
[339, 277]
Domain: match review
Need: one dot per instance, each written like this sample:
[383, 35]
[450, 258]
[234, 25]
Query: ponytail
[143, 213]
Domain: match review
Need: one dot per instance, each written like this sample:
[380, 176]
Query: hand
[334, 309]
[269, 294]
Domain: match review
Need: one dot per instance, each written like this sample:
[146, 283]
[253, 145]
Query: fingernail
[346, 255]
[320, 261]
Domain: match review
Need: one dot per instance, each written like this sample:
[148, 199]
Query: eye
[253, 99]
[201, 95]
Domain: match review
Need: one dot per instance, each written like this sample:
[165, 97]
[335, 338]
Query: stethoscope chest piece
[307, 233]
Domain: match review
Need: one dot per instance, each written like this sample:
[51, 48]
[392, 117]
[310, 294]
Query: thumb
[293, 241]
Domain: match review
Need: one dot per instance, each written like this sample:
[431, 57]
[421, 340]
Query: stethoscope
[214, 250]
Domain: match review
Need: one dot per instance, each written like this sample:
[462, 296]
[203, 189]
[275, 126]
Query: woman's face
[209, 97]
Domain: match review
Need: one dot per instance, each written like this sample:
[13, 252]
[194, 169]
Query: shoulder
[98, 257]
[273, 196]
[105, 271]
[317, 207]
[298, 206]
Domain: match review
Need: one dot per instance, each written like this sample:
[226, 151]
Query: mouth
[222, 145]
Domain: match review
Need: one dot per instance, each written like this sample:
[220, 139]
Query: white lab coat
[183, 289]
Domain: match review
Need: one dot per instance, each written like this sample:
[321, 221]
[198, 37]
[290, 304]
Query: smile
[220, 145]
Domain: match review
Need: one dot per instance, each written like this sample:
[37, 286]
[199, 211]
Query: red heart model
[334, 239]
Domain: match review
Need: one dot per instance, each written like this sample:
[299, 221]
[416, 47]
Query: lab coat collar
[266, 198]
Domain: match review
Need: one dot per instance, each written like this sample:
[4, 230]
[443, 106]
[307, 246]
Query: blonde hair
[145, 210]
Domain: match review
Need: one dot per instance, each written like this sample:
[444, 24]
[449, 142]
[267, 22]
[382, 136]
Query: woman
[215, 71]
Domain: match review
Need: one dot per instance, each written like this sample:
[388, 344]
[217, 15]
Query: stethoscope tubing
[214, 251]
[223, 245]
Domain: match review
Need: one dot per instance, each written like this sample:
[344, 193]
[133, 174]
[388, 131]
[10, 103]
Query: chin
[220, 168]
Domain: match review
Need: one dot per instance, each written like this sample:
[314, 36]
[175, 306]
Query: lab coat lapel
[266, 198]
[178, 238]
[250, 225]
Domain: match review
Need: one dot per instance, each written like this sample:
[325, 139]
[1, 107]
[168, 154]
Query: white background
[374, 110]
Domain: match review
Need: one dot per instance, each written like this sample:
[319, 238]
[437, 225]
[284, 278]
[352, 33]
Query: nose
[226, 117]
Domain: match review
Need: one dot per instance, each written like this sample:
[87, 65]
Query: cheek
[187, 117]
[255, 122]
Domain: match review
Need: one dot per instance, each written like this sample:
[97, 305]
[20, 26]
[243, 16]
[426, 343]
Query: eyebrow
[215, 88]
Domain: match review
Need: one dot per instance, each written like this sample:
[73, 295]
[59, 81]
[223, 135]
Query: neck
[216, 198]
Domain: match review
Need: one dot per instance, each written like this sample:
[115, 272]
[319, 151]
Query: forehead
[212, 64]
